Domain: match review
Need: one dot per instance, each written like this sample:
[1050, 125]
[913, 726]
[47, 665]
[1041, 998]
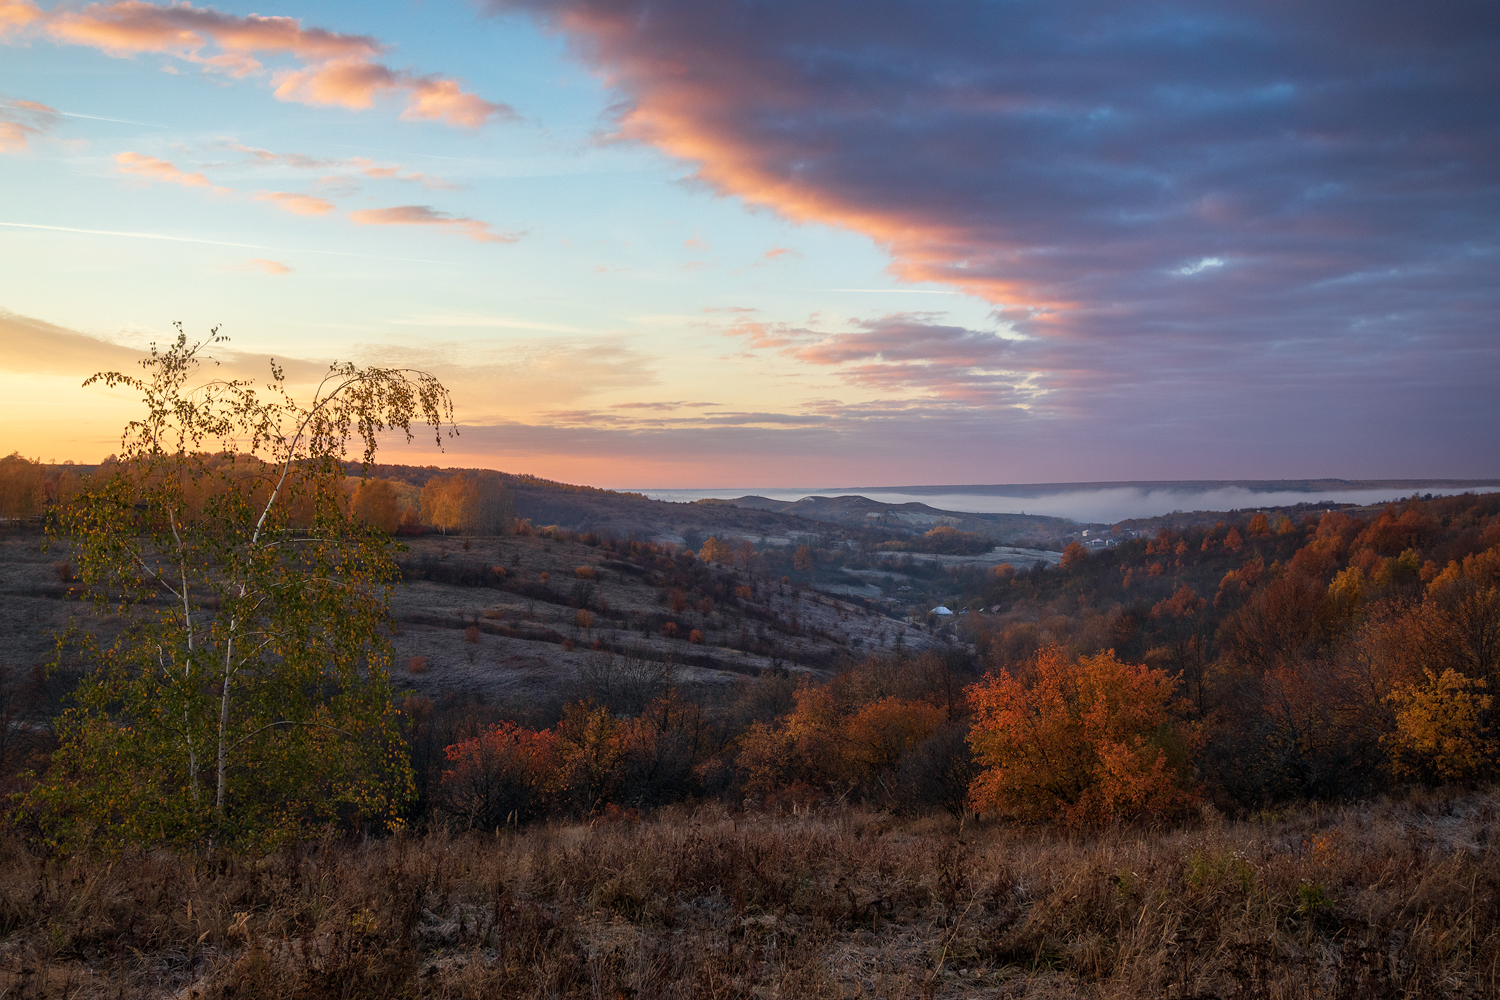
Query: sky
[699, 243]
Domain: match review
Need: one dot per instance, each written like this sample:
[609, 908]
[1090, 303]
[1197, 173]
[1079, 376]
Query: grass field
[1382, 899]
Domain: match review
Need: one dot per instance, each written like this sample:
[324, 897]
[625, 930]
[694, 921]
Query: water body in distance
[1111, 502]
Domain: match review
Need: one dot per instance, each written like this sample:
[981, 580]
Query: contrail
[97, 118]
[221, 243]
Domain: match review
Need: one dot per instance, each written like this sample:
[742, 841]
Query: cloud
[16, 15]
[390, 172]
[40, 348]
[1188, 210]
[422, 215]
[153, 169]
[329, 68]
[21, 121]
[297, 204]
[360, 164]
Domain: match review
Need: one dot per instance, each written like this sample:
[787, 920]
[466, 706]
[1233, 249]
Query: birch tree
[247, 698]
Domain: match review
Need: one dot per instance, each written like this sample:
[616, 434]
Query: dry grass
[1384, 900]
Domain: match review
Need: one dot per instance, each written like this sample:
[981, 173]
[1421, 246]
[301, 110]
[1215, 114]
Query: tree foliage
[464, 501]
[1085, 740]
[247, 697]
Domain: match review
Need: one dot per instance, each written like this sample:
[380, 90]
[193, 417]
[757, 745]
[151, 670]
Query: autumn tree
[1178, 621]
[1084, 741]
[375, 503]
[1442, 730]
[714, 550]
[481, 505]
[22, 488]
[248, 696]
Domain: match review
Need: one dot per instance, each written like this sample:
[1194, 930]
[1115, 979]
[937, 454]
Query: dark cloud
[1269, 214]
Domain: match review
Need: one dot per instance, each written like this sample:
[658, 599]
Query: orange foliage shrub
[585, 573]
[695, 637]
[669, 630]
[1085, 741]
[583, 619]
[471, 634]
[822, 744]
[416, 665]
[508, 772]
[884, 731]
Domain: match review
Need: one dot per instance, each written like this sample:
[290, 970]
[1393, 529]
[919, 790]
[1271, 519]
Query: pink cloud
[268, 266]
[297, 204]
[164, 171]
[422, 215]
[333, 69]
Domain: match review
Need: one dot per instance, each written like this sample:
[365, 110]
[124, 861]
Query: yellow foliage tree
[714, 550]
[1440, 728]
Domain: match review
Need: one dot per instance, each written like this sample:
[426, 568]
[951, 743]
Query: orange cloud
[421, 215]
[152, 169]
[21, 120]
[15, 15]
[14, 136]
[269, 266]
[334, 69]
[297, 204]
[365, 165]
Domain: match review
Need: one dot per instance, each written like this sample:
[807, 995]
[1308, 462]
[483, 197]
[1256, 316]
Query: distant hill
[1192, 486]
[863, 512]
